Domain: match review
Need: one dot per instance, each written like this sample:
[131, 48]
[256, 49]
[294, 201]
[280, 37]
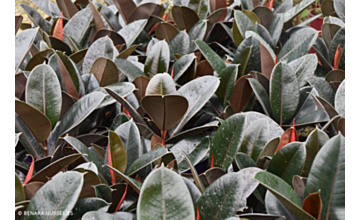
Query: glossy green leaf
[61, 192]
[276, 27]
[333, 190]
[130, 136]
[105, 71]
[19, 190]
[288, 161]
[36, 18]
[249, 4]
[283, 192]
[183, 67]
[166, 111]
[200, 7]
[314, 143]
[102, 47]
[134, 184]
[78, 25]
[180, 44]
[195, 175]
[255, 138]
[103, 191]
[37, 122]
[130, 70]
[284, 6]
[250, 184]
[339, 6]
[297, 9]
[43, 78]
[261, 41]
[261, 95]
[195, 148]
[298, 45]
[23, 42]
[184, 17]
[157, 61]
[157, 190]
[75, 115]
[340, 99]
[131, 31]
[122, 89]
[243, 60]
[197, 92]
[228, 79]
[161, 84]
[268, 151]
[304, 68]
[118, 153]
[214, 59]
[284, 92]
[325, 90]
[146, 159]
[227, 140]
[28, 139]
[275, 128]
[222, 198]
[242, 23]
[197, 31]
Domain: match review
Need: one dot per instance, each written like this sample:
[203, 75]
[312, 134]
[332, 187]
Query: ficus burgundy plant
[192, 109]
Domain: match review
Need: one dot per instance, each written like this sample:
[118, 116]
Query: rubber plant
[191, 110]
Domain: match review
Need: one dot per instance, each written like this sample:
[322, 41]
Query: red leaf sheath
[212, 160]
[30, 172]
[198, 212]
[337, 57]
[271, 4]
[110, 164]
[122, 199]
[293, 135]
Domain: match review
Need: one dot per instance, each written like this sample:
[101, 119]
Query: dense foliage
[191, 110]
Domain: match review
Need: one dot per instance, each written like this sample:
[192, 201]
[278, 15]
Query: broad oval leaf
[197, 92]
[268, 151]
[166, 31]
[265, 16]
[23, 42]
[241, 24]
[340, 99]
[288, 161]
[275, 129]
[325, 90]
[166, 110]
[36, 18]
[195, 148]
[86, 205]
[157, 61]
[222, 198]
[298, 45]
[130, 70]
[304, 68]
[314, 142]
[275, 207]
[333, 190]
[102, 47]
[67, 7]
[184, 17]
[228, 79]
[75, 115]
[161, 84]
[339, 6]
[262, 96]
[131, 31]
[36, 121]
[61, 192]
[78, 25]
[255, 138]
[130, 136]
[117, 152]
[200, 7]
[158, 190]
[105, 71]
[297, 9]
[284, 92]
[180, 44]
[43, 92]
[182, 65]
[227, 140]
[241, 94]
[197, 32]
